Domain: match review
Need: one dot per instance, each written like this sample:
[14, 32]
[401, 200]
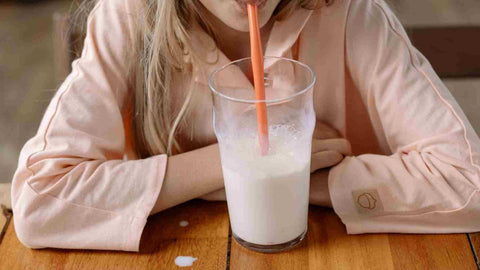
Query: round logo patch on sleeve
[367, 201]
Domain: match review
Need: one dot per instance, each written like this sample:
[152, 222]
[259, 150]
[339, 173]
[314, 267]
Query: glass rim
[268, 101]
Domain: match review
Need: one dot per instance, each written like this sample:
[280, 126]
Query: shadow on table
[206, 220]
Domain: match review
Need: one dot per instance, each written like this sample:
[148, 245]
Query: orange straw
[258, 77]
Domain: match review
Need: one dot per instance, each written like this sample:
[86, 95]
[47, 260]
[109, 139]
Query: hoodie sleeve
[430, 183]
[72, 188]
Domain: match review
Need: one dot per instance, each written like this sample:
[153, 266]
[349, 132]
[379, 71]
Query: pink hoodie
[78, 185]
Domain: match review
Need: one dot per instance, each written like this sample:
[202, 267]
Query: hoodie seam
[432, 85]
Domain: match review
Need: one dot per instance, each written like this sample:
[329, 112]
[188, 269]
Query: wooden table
[208, 238]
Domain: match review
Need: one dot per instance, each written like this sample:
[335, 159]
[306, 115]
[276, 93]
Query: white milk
[184, 261]
[268, 195]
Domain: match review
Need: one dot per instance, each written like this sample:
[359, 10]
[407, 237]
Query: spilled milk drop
[184, 261]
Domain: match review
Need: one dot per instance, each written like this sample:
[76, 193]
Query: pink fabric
[78, 185]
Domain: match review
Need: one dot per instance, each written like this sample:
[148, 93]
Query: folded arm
[73, 188]
[430, 183]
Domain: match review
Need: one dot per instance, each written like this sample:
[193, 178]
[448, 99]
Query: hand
[328, 148]
[218, 195]
[319, 193]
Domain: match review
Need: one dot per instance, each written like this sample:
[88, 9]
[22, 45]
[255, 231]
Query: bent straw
[258, 80]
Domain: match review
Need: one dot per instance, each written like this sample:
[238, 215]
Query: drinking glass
[267, 194]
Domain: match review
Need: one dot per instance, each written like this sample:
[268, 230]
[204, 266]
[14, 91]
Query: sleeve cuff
[342, 202]
[353, 205]
[136, 224]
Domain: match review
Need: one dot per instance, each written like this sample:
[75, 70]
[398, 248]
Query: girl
[129, 133]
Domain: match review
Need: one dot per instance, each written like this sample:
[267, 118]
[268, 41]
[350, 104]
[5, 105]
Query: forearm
[197, 173]
[190, 175]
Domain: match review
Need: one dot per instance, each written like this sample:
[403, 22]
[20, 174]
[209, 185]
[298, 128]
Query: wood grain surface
[206, 238]
[475, 243]
[5, 217]
[327, 246]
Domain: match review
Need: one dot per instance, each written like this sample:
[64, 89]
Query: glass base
[270, 248]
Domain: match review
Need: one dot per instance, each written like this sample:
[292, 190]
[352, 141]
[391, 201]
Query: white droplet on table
[184, 261]
[183, 223]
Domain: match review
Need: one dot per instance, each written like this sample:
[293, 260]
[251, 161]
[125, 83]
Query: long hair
[164, 39]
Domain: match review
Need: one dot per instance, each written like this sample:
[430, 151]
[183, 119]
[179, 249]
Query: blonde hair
[164, 39]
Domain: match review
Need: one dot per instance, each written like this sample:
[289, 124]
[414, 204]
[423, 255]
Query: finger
[324, 131]
[325, 159]
[340, 145]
